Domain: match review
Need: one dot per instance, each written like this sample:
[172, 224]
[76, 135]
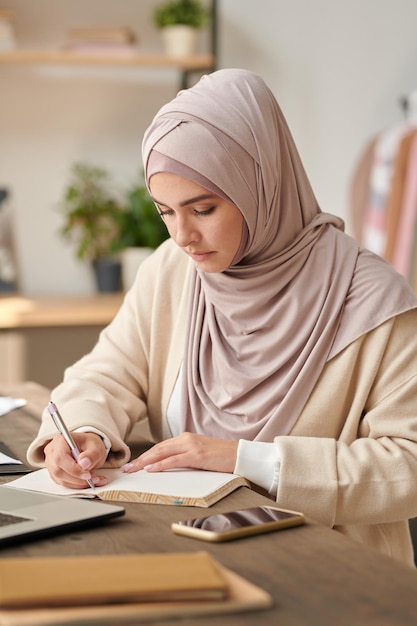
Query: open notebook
[182, 486]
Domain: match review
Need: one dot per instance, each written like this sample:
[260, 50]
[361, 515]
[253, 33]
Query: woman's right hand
[65, 471]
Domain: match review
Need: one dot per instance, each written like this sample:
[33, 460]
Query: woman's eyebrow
[203, 196]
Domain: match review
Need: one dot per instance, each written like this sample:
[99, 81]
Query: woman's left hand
[187, 450]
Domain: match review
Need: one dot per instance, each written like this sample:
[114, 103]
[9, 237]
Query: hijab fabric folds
[300, 290]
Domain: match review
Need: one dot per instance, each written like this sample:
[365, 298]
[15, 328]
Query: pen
[60, 424]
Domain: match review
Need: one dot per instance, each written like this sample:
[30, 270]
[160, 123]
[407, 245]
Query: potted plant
[141, 230]
[92, 221]
[179, 22]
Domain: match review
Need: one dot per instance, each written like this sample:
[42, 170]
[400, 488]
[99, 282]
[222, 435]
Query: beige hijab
[299, 292]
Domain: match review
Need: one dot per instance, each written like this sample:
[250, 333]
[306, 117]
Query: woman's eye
[168, 212]
[205, 212]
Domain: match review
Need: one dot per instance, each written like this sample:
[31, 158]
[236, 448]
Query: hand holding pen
[60, 424]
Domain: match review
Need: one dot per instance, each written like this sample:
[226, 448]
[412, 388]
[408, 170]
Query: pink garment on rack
[402, 259]
[396, 193]
[386, 147]
[413, 264]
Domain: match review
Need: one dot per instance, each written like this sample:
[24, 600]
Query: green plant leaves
[100, 222]
[187, 12]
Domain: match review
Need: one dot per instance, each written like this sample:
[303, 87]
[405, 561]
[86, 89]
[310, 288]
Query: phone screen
[224, 522]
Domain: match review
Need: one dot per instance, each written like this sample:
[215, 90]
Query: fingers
[62, 467]
[92, 450]
[187, 450]
[169, 454]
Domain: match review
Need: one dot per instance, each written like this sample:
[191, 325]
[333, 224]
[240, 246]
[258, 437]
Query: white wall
[337, 68]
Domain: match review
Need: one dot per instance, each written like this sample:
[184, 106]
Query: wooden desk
[41, 336]
[315, 575]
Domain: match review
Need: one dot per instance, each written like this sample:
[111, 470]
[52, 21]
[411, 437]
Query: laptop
[26, 515]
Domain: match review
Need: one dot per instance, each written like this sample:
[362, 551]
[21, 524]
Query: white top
[257, 461]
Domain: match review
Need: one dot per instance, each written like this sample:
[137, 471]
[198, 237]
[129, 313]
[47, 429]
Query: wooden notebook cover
[242, 596]
[84, 580]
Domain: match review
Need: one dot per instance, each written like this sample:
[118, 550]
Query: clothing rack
[383, 193]
[408, 103]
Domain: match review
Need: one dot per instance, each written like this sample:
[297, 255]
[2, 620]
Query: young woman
[259, 339]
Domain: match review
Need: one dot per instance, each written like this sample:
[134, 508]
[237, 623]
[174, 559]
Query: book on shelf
[117, 40]
[121, 49]
[186, 487]
[116, 35]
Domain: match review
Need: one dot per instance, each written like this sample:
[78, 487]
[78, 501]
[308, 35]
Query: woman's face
[205, 226]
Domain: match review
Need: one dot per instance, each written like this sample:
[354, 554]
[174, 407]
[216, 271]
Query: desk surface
[315, 575]
[29, 312]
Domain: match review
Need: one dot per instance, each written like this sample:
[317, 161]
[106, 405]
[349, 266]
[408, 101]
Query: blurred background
[339, 70]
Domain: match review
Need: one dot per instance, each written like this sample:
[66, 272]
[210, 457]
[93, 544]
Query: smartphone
[236, 524]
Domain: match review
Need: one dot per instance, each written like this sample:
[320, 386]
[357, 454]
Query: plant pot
[131, 259]
[108, 274]
[179, 40]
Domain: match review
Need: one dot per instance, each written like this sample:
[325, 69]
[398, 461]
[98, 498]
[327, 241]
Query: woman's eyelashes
[166, 212]
[205, 211]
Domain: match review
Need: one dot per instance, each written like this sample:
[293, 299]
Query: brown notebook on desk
[215, 589]
[86, 580]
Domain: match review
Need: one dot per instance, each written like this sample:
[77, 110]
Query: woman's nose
[185, 233]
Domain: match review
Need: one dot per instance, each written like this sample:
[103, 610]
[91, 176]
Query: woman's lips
[200, 256]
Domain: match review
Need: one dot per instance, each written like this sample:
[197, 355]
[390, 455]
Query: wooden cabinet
[41, 336]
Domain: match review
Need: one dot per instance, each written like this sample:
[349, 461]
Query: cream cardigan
[350, 461]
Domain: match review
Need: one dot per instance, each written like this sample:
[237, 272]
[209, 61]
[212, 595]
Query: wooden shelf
[48, 311]
[69, 57]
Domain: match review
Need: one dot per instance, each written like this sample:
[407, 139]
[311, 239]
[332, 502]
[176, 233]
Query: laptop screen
[29, 515]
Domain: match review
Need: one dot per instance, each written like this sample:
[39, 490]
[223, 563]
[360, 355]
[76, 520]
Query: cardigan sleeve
[112, 387]
[105, 389]
[365, 471]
